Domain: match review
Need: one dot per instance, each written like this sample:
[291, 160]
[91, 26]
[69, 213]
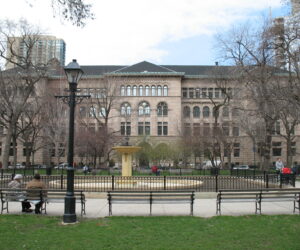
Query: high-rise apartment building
[45, 48]
[282, 25]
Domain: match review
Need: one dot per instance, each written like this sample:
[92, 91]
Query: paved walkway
[205, 206]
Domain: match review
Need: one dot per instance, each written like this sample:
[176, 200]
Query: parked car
[18, 166]
[61, 166]
[208, 164]
[38, 166]
[242, 167]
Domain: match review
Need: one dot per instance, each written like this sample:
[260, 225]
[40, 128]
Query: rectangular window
[125, 128]
[11, 150]
[235, 131]
[140, 128]
[217, 93]
[159, 128]
[29, 146]
[276, 148]
[184, 92]
[236, 149]
[276, 128]
[210, 93]
[144, 128]
[165, 128]
[225, 129]
[147, 128]
[191, 93]
[276, 151]
[236, 152]
[162, 128]
[204, 92]
[197, 93]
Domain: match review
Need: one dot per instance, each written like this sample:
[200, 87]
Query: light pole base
[70, 210]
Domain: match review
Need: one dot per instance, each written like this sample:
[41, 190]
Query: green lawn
[222, 232]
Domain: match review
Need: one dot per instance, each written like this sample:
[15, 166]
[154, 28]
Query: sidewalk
[204, 206]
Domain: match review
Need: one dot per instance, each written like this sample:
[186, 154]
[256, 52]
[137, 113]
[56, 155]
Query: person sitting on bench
[16, 184]
[37, 185]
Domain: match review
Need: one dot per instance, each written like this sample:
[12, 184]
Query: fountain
[127, 181]
[126, 150]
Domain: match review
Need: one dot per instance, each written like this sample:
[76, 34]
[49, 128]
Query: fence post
[112, 182]
[165, 182]
[216, 182]
[293, 180]
[280, 179]
[267, 181]
[1, 173]
[61, 181]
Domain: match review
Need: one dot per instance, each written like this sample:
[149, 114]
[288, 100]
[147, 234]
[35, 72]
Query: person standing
[279, 166]
[16, 184]
[36, 184]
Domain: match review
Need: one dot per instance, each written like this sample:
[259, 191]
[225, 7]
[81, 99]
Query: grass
[180, 232]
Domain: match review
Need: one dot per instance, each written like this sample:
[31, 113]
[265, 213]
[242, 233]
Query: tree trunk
[7, 147]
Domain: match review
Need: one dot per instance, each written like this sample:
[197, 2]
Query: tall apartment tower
[295, 7]
[45, 48]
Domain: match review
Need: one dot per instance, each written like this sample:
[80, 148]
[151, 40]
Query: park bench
[150, 197]
[258, 196]
[279, 195]
[37, 195]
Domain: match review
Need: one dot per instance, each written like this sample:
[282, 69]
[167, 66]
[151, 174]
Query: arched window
[102, 112]
[122, 90]
[128, 90]
[159, 90]
[225, 112]
[93, 112]
[144, 108]
[141, 88]
[196, 112]
[134, 90]
[186, 111]
[206, 111]
[125, 109]
[147, 91]
[153, 90]
[165, 90]
[162, 109]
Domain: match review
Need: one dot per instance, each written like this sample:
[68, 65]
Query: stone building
[162, 104]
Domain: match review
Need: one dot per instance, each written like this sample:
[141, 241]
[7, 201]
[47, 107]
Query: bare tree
[94, 116]
[55, 127]
[75, 11]
[17, 85]
[250, 50]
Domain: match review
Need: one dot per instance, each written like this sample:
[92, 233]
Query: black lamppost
[73, 73]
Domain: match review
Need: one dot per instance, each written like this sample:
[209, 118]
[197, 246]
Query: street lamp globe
[73, 72]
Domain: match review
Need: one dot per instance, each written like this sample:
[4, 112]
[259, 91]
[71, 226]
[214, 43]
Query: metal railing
[99, 183]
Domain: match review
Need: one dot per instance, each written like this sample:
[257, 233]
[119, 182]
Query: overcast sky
[126, 32]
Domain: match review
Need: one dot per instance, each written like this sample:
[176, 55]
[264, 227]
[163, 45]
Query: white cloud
[129, 31]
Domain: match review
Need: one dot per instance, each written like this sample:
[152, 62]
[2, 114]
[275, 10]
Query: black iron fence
[205, 183]
[140, 171]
